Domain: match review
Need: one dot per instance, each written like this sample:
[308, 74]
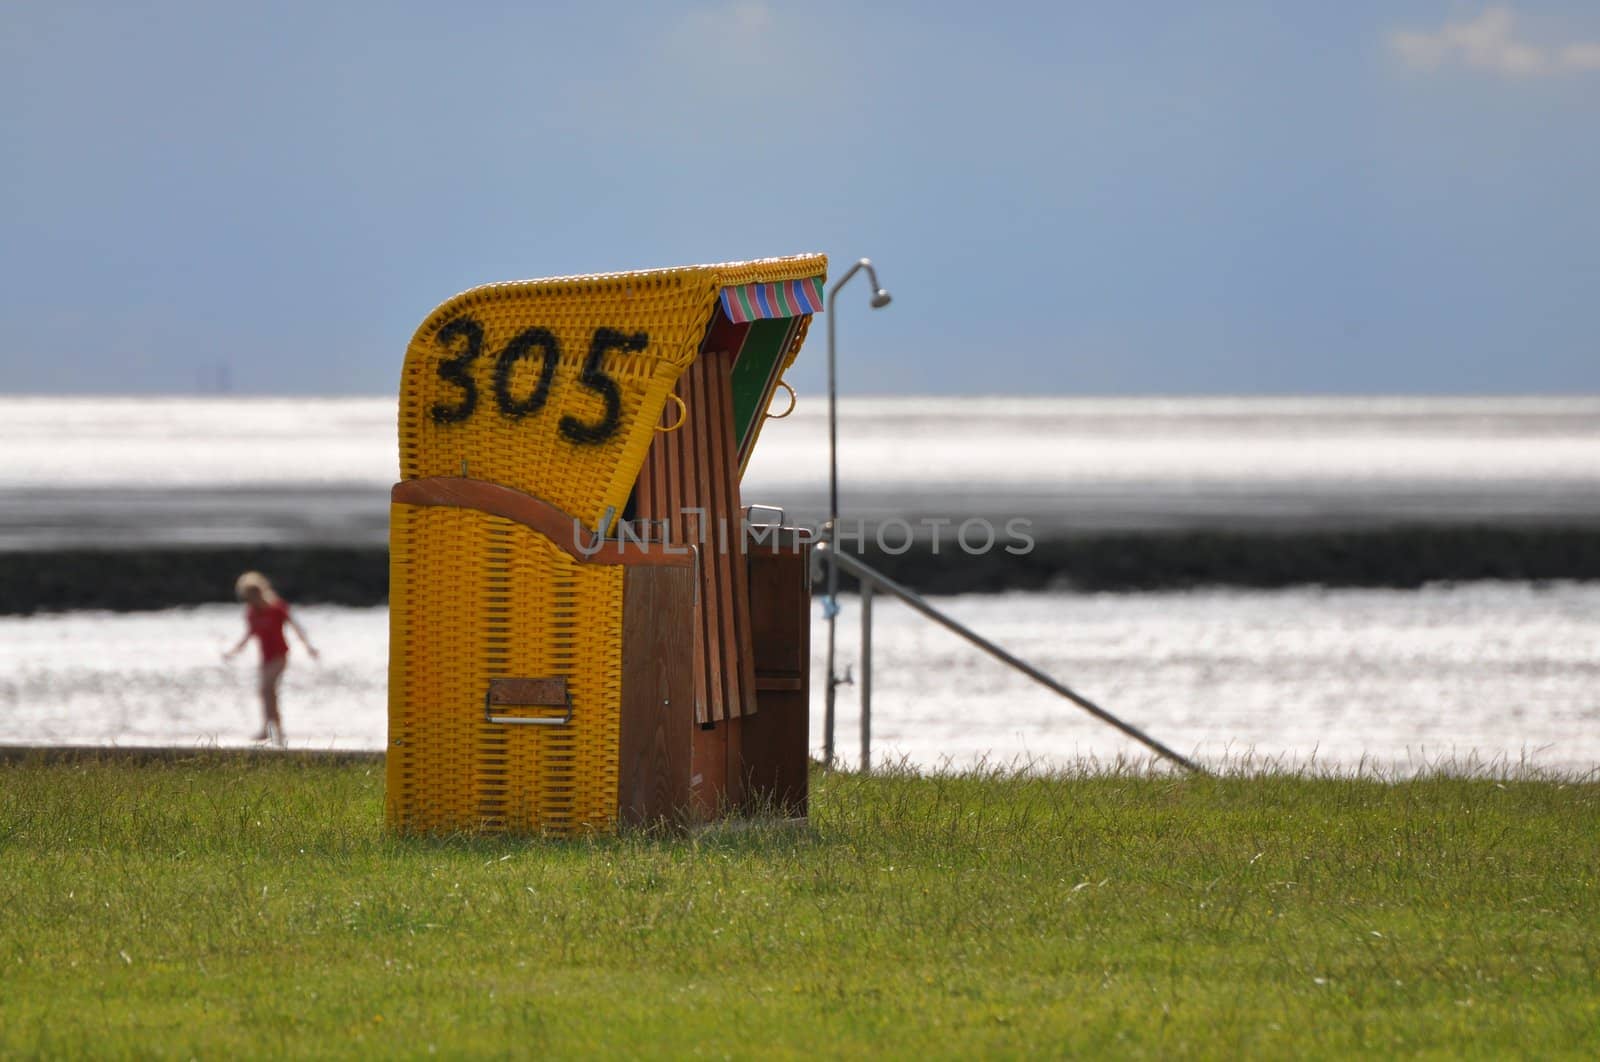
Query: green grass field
[233, 905]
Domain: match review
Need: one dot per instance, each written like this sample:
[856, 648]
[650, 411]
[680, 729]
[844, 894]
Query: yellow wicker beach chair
[545, 676]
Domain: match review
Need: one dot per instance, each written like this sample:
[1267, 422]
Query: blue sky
[1238, 197]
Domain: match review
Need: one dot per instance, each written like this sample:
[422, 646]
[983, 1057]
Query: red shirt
[266, 625]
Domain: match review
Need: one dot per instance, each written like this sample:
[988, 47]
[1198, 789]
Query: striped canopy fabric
[758, 302]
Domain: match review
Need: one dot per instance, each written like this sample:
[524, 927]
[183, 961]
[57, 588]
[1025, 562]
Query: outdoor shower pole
[866, 675]
[830, 603]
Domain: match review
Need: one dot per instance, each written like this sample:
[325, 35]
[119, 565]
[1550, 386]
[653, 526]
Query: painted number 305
[462, 338]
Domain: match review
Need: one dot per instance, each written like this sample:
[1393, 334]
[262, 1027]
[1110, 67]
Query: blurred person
[265, 616]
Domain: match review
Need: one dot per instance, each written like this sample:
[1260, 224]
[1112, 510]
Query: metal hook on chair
[793, 401]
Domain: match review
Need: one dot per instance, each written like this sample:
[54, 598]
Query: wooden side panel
[668, 477]
[780, 609]
[729, 555]
[774, 749]
[696, 467]
[657, 717]
[709, 780]
[773, 741]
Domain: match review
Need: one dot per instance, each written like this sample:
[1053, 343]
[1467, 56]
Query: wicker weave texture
[475, 597]
[472, 360]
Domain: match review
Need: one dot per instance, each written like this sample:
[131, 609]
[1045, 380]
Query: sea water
[107, 471]
[1496, 674]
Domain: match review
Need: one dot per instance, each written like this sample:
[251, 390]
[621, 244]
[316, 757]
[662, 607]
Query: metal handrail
[871, 577]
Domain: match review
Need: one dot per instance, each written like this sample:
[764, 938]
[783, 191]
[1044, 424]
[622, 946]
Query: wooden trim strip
[779, 682]
[563, 529]
[696, 488]
[736, 595]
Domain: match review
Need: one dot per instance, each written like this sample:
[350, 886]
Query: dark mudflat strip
[54, 754]
[127, 580]
[1399, 557]
[1396, 557]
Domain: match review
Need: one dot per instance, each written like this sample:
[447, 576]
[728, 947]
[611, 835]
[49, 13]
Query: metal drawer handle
[750, 512]
[529, 692]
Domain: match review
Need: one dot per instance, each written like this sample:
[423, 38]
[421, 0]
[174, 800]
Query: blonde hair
[254, 580]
